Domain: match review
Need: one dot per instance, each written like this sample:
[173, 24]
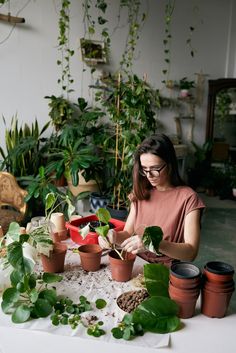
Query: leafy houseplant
[131, 105]
[25, 147]
[76, 149]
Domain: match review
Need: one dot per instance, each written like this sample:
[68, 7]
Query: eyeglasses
[154, 173]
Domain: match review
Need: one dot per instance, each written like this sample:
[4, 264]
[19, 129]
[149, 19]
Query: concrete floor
[218, 235]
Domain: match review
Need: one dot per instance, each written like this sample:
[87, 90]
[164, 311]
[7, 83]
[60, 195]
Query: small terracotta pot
[217, 271]
[90, 257]
[219, 286]
[214, 304]
[121, 270]
[186, 299]
[55, 262]
[185, 283]
[193, 292]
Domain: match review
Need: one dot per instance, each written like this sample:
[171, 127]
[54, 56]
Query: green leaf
[100, 303]
[17, 260]
[50, 295]
[117, 332]
[156, 279]
[33, 295]
[42, 308]
[157, 314]
[50, 200]
[9, 298]
[13, 231]
[152, 237]
[21, 314]
[15, 277]
[51, 277]
[103, 215]
[103, 230]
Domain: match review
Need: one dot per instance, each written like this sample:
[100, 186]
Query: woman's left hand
[133, 244]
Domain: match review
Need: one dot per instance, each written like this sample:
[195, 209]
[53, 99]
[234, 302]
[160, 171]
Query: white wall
[28, 69]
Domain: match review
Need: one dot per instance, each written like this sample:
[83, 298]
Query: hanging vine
[66, 79]
[135, 22]
[169, 10]
[91, 25]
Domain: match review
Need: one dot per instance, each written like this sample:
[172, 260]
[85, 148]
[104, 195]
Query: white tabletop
[197, 335]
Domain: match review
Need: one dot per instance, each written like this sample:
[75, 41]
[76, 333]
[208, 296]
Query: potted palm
[131, 104]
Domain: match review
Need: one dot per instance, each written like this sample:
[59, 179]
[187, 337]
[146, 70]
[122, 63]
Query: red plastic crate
[92, 237]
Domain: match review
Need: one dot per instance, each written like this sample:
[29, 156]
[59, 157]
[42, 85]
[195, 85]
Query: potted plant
[77, 149]
[185, 85]
[131, 104]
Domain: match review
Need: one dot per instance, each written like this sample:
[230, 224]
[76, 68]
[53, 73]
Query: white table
[198, 334]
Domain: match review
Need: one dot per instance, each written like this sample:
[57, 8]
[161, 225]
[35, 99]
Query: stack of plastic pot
[184, 287]
[217, 288]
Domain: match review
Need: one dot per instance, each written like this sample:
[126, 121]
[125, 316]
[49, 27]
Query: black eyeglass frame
[144, 172]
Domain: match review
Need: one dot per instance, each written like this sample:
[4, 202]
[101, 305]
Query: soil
[129, 301]
[94, 224]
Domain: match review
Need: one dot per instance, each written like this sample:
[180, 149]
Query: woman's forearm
[179, 251]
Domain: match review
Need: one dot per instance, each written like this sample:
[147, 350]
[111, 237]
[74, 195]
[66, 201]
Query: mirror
[221, 109]
[221, 114]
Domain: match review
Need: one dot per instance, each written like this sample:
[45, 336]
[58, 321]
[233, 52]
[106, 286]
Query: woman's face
[154, 169]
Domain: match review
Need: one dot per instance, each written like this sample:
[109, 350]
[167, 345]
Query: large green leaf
[15, 277]
[9, 298]
[156, 279]
[152, 237]
[49, 294]
[17, 260]
[157, 314]
[103, 230]
[21, 314]
[103, 215]
[42, 307]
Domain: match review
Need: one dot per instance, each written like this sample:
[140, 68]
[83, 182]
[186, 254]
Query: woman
[160, 198]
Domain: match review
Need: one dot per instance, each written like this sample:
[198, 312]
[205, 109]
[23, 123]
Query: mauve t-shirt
[166, 209]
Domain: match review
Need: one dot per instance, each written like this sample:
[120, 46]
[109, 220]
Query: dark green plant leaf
[156, 279]
[15, 277]
[50, 295]
[21, 314]
[51, 277]
[152, 237]
[9, 298]
[157, 314]
[100, 303]
[42, 307]
[17, 260]
[33, 295]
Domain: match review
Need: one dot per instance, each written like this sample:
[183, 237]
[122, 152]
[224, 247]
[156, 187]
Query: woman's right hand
[109, 240]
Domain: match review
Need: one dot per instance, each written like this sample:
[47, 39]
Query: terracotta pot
[217, 271]
[55, 262]
[214, 304]
[214, 288]
[186, 301]
[190, 292]
[185, 270]
[121, 270]
[188, 283]
[90, 256]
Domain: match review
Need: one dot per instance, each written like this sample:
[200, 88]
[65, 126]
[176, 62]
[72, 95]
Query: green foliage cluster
[156, 314]
[131, 103]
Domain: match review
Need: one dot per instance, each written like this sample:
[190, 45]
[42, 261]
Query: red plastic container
[92, 237]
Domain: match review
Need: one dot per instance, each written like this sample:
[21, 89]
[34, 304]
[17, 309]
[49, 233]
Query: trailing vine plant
[90, 23]
[135, 20]
[169, 10]
[64, 47]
